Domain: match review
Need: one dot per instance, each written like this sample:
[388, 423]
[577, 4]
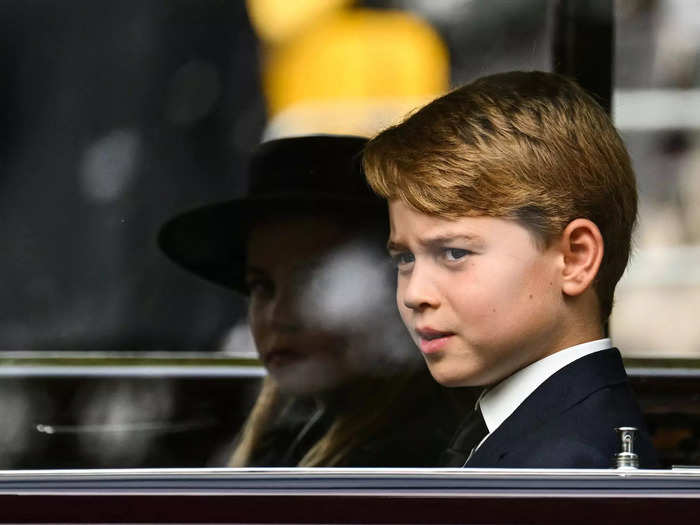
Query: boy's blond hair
[530, 146]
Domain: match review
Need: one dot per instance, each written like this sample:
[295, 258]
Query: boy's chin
[445, 378]
[451, 378]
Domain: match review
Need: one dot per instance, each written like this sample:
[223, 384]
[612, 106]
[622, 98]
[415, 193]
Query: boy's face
[479, 297]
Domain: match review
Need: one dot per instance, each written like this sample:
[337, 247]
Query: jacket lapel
[564, 389]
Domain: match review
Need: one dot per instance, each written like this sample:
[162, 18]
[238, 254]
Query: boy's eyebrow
[438, 240]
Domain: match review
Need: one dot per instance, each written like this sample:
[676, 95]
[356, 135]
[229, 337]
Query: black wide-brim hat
[316, 174]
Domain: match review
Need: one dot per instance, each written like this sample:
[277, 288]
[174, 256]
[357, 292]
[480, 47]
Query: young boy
[512, 202]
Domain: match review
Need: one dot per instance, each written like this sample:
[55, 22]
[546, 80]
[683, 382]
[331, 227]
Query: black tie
[470, 433]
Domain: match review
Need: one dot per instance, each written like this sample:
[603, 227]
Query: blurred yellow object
[278, 20]
[357, 54]
[363, 117]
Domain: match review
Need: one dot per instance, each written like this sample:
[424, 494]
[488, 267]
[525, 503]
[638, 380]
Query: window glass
[116, 117]
[656, 108]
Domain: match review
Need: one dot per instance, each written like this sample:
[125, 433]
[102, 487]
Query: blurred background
[116, 115]
[657, 109]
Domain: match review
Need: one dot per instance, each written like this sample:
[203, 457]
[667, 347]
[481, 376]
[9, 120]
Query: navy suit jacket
[569, 421]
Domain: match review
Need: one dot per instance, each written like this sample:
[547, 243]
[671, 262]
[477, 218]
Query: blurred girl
[306, 245]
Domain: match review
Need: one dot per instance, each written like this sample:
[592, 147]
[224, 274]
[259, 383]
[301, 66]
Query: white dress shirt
[501, 400]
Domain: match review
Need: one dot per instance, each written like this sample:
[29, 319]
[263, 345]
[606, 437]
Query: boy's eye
[455, 254]
[402, 259]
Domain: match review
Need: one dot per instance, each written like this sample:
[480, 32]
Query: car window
[116, 117]
[656, 81]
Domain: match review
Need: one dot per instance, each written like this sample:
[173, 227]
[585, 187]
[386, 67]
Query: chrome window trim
[162, 371]
[442, 483]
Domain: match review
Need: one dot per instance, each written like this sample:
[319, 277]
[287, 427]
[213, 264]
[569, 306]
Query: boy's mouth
[432, 341]
[429, 333]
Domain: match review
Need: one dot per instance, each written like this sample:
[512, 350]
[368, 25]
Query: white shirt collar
[500, 401]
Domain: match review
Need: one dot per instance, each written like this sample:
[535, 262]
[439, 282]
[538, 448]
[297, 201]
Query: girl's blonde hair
[263, 412]
[371, 410]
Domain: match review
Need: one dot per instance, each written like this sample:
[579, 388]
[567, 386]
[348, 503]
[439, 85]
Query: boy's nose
[419, 292]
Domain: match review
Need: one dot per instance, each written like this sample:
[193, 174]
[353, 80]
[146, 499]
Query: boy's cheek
[406, 317]
[403, 309]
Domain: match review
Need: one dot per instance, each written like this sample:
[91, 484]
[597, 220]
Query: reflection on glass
[345, 387]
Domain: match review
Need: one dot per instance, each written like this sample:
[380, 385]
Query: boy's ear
[582, 246]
